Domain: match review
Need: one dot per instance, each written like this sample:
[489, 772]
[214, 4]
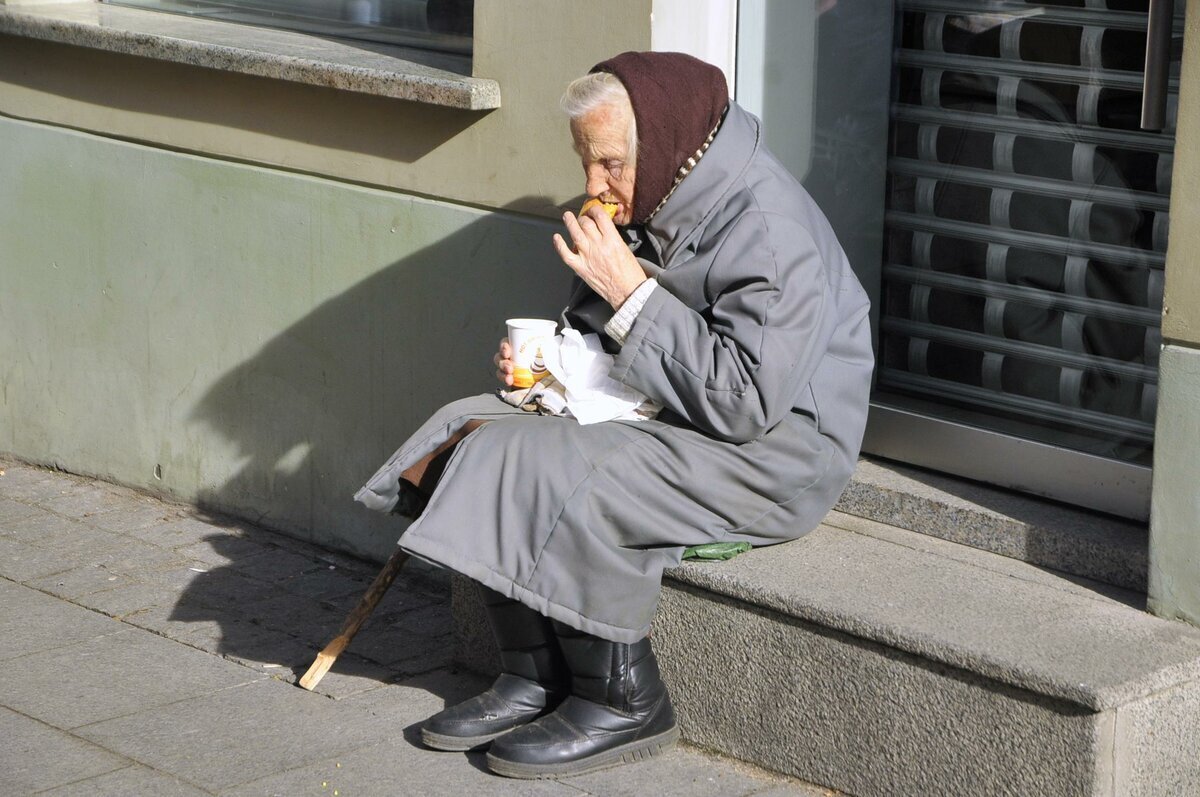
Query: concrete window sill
[380, 70]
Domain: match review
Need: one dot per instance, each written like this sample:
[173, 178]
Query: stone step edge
[712, 577]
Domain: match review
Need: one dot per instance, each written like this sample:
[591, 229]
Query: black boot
[533, 680]
[618, 712]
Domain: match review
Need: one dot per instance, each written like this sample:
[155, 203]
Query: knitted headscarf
[678, 101]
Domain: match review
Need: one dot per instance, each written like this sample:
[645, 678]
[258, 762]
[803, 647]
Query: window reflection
[440, 25]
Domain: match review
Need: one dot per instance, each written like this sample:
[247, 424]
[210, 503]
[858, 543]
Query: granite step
[1036, 530]
[879, 661]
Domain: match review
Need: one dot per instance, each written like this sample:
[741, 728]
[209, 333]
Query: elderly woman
[724, 296]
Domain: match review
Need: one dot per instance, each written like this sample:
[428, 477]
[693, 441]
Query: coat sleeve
[736, 368]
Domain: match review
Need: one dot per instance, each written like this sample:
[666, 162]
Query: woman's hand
[504, 363]
[600, 256]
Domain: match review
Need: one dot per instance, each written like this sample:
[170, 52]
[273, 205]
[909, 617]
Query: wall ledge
[377, 69]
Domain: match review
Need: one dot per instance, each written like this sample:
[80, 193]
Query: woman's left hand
[600, 256]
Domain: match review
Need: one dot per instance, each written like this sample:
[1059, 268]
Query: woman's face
[602, 141]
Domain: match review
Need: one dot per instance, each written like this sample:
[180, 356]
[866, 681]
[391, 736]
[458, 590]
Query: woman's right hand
[504, 363]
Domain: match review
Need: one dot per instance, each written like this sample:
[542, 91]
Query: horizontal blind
[1027, 219]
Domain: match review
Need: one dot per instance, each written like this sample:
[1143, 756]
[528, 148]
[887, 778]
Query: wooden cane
[354, 620]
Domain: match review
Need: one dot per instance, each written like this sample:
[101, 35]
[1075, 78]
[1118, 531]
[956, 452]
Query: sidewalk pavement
[149, 648]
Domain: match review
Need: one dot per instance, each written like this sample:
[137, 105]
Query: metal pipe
[1158, 60]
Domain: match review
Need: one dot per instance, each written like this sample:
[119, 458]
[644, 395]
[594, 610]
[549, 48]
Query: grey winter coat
[758, 345]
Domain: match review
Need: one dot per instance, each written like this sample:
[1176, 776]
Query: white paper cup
[529, 338]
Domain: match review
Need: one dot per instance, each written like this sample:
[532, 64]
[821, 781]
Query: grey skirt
[579, 522]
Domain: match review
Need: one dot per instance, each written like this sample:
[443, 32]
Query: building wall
[255, 340]
[1174, 583]
[247, 292]
[518, 156]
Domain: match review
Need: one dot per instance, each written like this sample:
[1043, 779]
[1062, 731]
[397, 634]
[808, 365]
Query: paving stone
[242, 734]
[123, 601]
[682, 770]
[350, 675]
[182, 532]
[271, 653]
[85, 500]
[220, 586]
[177, 578]
[31, 622]
[797, 789]
[229, 551]
[424, 695]
[439, 654]
[421, 576]
[343, 561]
[400, 766]
[230, 636]
[142, 512]
[433, 620]
[39, 525]
[393, 645]
[329, 585]
[400, 598]
[14, 510]
[82, 546]
[111, 676]
[23, 560]
[35, 756]
[279, 565]
[132, 780]
[294, 615]
[137, 559]
[414, 699]
[25, 483]
[79, 581]
[404, 597]
[20, 561]
[182, 620]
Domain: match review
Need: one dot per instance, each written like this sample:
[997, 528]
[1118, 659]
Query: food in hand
[610, 208]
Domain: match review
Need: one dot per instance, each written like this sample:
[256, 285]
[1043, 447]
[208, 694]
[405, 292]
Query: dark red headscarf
[677, 101]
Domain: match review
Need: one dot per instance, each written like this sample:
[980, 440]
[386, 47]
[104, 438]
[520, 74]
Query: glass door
[1022, 225]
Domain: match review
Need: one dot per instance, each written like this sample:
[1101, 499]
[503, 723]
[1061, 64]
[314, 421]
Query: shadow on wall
[324, 403]
[313, 414]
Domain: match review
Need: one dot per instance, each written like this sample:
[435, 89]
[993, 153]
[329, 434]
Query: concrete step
[879, 661]
[1035, 530]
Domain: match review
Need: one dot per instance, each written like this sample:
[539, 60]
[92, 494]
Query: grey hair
[596, 90]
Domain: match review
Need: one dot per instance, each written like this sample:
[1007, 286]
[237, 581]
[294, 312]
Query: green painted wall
[264, 339]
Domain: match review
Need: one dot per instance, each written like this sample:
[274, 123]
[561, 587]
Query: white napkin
[582, 386]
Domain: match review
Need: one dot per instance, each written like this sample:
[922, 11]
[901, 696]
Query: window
[441, 25]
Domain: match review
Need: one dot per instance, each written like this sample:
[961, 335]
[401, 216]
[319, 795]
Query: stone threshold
[364, 67]
[1036, 530]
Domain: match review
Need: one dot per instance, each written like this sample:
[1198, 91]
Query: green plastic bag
[716, 551]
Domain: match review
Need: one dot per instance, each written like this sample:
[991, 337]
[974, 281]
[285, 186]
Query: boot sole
[628, 753]
[459, 744]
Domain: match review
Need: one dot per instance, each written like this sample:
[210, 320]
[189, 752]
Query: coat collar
[702, 191]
